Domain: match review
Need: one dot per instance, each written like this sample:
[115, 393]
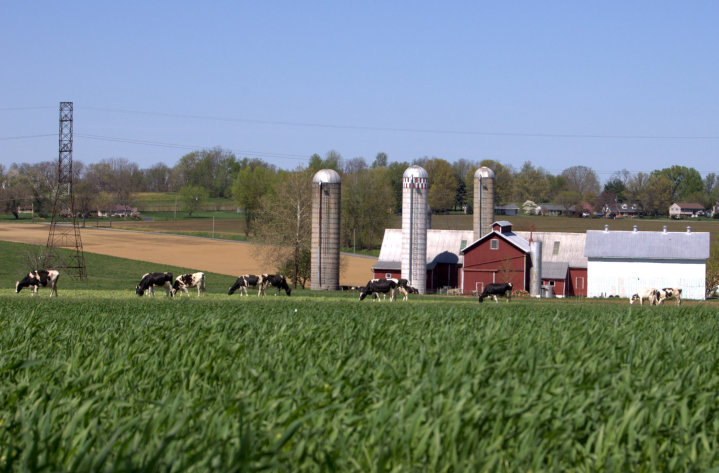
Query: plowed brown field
[218, 256]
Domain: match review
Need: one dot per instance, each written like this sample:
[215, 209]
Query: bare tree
[285, 219]
[581, 179]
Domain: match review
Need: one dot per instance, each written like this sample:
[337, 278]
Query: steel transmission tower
[64, 232]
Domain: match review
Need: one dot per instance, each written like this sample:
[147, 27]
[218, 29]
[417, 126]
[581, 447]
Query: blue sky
[611, 85]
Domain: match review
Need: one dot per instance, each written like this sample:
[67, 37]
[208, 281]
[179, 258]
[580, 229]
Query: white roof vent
[635, 229]
[664, 229]
[606, 228]
[689, 229]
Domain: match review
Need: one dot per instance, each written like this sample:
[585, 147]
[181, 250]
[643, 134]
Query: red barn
[502, 255]
[499, 256]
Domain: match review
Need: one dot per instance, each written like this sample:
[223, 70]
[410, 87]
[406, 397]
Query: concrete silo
[325, 263]
[483, 202]
[415, 186]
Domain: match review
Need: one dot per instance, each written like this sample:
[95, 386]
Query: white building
[621, 263]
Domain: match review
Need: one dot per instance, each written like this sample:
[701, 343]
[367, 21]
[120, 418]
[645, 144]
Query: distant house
[507, 209]
[621, 263]
[556, 210]
[685, 209]
[119, 211]
[622, 209]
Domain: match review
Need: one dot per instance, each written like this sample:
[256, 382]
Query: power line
[26, 137]
[411, 130]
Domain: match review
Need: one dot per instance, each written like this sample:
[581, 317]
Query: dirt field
[223, 257]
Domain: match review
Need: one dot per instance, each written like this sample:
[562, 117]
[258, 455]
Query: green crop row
[312, 384]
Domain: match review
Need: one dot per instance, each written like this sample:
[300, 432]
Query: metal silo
[415, 186]
[325, 272]
[483, 202]
[535, 272]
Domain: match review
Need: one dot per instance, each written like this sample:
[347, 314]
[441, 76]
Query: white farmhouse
[620, 263]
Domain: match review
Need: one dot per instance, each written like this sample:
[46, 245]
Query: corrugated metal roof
[647, 245]
[554, 269]
[443, 246]
[561, 246]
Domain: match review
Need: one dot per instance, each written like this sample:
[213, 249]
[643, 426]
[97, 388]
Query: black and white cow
[498, 289]
[41, 277]
[650, 294]
[274, 280]
[245, 281]
[375, 287]
[405, 289]
[669, 293]
[150, 280]
[184, 281]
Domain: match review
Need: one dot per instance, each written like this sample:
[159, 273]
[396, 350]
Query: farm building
[564, 266]
[443, 256]
[621, 263]
[503, 256]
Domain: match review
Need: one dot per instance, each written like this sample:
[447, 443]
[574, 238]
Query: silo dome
[326, 176]
[483, 172]
[415, 171]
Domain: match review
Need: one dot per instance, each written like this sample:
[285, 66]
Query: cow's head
[139, 291]
[634, 298]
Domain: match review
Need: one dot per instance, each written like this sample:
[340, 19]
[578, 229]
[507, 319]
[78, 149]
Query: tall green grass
[315, 384]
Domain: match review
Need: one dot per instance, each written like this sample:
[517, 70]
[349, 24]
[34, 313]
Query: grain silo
[326, 188]
[483, 202]
[415, 186]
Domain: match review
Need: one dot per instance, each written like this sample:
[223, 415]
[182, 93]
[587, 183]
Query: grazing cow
[189, 280]
[668, 293]
[274, 280]
[375, 287]
[35, 279]
[150, 280]
[404, 288]
[650, 294]
[245, 281]
[498, 289]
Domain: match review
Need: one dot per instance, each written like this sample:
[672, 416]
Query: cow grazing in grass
[494, 290]
[650, 294]
[274, 280]
[669, 293]
[375, 287]
[189, 280]
[150, 280]
[405, 289]
[245, 281]
[41, 277]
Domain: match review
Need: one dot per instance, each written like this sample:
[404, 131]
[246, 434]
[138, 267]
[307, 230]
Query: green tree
[617, 188]
[684, 181]
[380, 160]
[366, 207]
[192, 198]
[442, 184]
[531, 183]
[332, 161]
[569, 199]
[656, 196]
[253, 182]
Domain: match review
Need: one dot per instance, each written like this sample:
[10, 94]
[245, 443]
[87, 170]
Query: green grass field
[112, 382]
[99, 379]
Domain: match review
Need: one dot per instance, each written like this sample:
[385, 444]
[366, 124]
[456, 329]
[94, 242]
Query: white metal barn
[621, 263]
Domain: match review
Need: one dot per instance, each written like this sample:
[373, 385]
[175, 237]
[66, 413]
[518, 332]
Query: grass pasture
[99, 379]
[107, 381]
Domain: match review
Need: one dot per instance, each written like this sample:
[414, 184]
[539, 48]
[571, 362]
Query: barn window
[387, 275]
[494, 244]
[555, 250]
[579, 282]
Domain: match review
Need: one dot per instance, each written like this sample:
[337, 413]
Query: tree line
[277, 202]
